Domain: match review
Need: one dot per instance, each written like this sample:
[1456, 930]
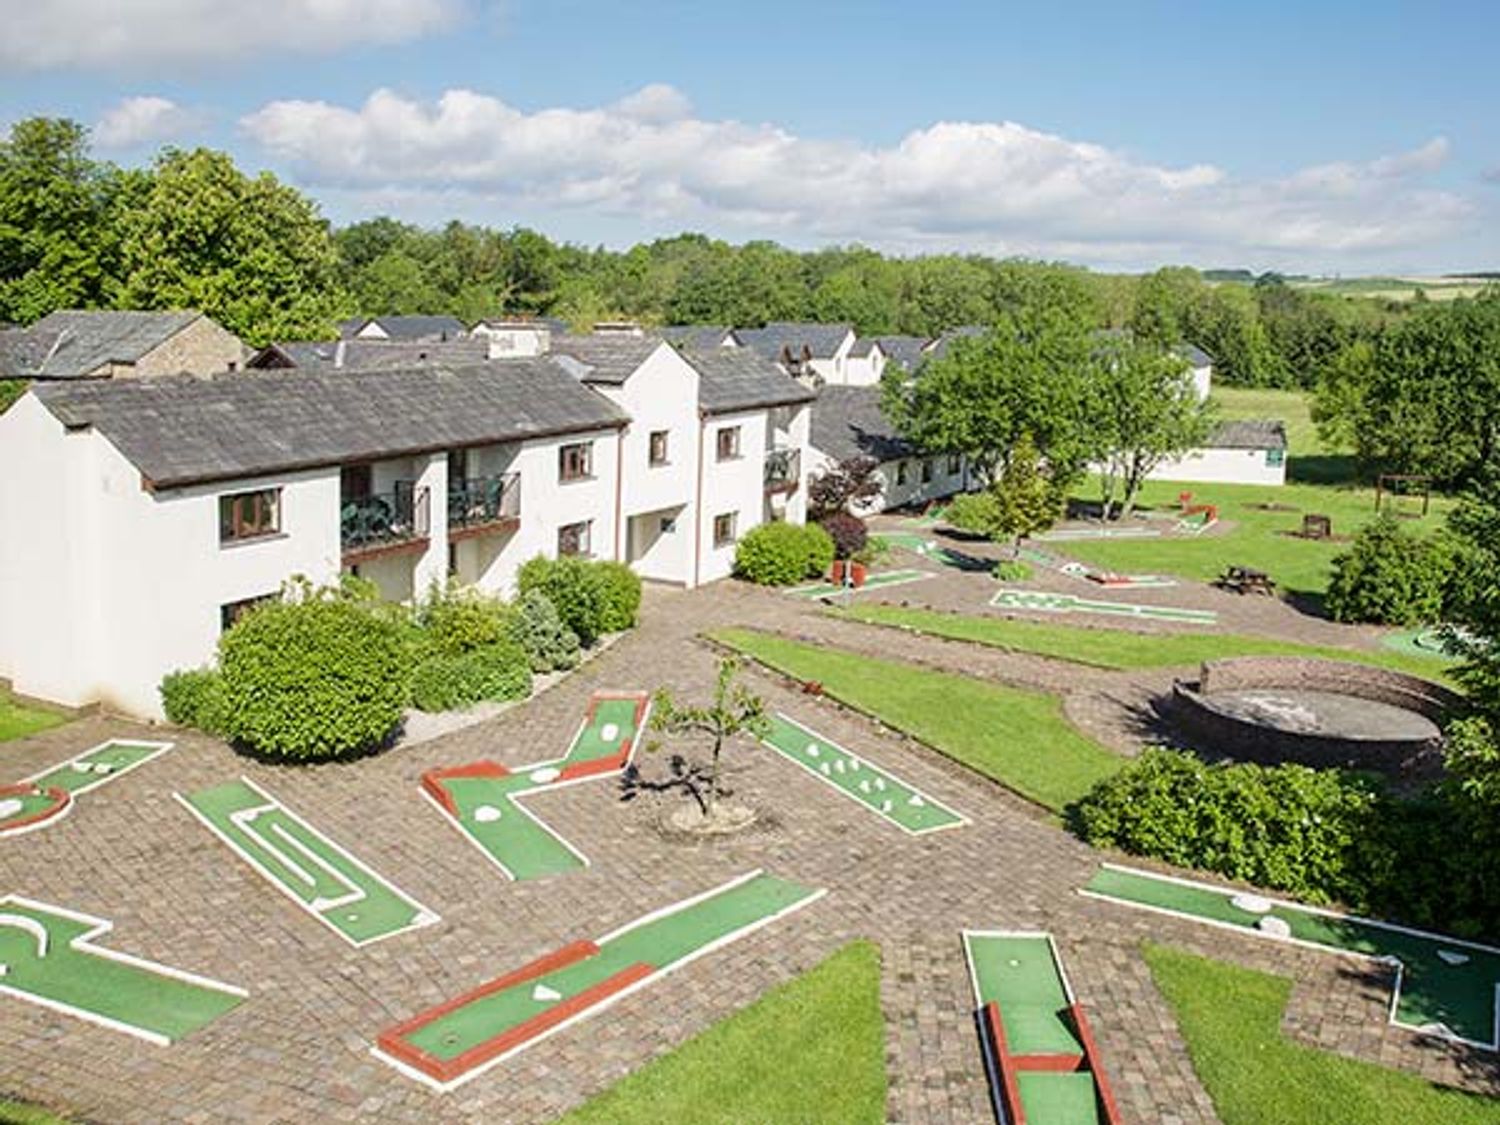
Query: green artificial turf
[1017, 973]
[1257, 538]
[1019, 738]
[18, 721]
[19, 1113]
[811, 1050]
[1231, 1020]
[1117, 648]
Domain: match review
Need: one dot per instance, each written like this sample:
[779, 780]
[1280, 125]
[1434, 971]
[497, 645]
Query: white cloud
[994, 186]
[141, 120]
[48, 34]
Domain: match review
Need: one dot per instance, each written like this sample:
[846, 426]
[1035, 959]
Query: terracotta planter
[856, 572]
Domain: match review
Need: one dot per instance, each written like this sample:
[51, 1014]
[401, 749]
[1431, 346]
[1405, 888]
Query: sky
[1310, 136]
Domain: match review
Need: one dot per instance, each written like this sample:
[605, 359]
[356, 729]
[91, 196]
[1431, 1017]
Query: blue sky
[1330, 137]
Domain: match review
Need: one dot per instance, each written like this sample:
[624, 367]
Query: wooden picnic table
[1247, 580]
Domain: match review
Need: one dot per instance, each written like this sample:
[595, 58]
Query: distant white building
[1246, 452]
[816, 353]
[412, 328]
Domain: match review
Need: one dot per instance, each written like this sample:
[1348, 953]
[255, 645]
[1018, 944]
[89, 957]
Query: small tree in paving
[1020, 502]
[735, 710]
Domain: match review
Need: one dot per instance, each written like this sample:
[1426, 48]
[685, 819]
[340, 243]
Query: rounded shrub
[782, 554]
[447, 682]
[194, 697]
[313, 679]
[456, 620]
[620, 591]
[550, 645]
[575, 587]
[848, 533]
[1388, 577]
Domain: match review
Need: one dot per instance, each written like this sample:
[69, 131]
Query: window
[900, 472]
[354, 483]
[249, 515]
[729, 443]
[576, 462]
[573, 539]
[724, 529]
[927, 471]
[233, 611]
[1274, 457]
[955, 464]
[658, 447]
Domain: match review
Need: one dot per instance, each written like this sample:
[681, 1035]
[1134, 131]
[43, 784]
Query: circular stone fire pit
[1318, 712]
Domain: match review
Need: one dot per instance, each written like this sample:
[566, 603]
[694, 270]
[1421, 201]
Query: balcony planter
[856, 570]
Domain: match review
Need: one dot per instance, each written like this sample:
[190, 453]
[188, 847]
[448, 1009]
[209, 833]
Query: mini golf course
[48, 957]
[1444, 986]
[1074, 569]
[1074, 534]
[306, 866]
[931, 549]
[43, 798]
[1042, 601]
[858, 778]
[461, 1038]
[483, 799]
[874, 582]
[1039, 1051]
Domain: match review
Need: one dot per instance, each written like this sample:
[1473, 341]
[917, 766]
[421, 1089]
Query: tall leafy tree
[249, 251]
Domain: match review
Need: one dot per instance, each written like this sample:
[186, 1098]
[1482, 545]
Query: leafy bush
[1388, 577]
[550, 645]
[316, 678]
[456, 619]
[575, 587]
[848, 533]
[975, 512]
[620, 588]
[1013, 570]
[194, 697]
[782, 554]
[447, 682]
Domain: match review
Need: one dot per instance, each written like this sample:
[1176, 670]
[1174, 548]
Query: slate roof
[605, 359]
[732, 379]
[1248, 434]
[1194, 355]
[821, 340]
[908, 351]
[75, 343]
[697, 336]
[409, 327]
[181, 430]
[369, 355]
[848, 422]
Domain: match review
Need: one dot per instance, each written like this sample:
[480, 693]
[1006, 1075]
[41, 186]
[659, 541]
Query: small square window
[658, 447]
[729, 443]
[574, 539]
[249, 515]
[927, 471]
[576, 461]
[724, 529]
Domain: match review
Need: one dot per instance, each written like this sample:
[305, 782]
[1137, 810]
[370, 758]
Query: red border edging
[1102, 1087]
[61, 800]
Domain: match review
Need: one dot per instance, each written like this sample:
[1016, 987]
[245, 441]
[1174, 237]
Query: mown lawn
[18, 1113]
[1231, 1020]
[17, 721]
[812, 1049]
[1258, 538]
[1018, 738]
[1115, 648]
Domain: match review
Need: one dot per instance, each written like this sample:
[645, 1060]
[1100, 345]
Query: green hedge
[620, 589]
[455, 620]
[194, 697]
[550, 645]
[1389, 577]
[783, 554]
[313, 679]
[447, 682]
[592, 598]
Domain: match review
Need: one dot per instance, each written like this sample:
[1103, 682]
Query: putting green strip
[50, 959]
[1043, 601]
[1444, 986]
[484, 799]
[1039, 1052]
[457, 1040]
[45, 797]
[875, 581]
[882, 793]
[306, 866]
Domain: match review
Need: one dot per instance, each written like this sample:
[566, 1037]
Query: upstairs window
[576, 462]
[658, 447]
[249, 515]
[728, 443]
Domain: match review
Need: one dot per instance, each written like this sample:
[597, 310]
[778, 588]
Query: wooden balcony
[389, 523]
[783, 470]
[484, 506]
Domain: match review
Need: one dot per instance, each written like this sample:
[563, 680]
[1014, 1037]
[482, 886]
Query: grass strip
[18, 721]
[1016, 737]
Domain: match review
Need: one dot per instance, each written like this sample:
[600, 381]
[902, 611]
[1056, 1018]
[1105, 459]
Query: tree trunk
[713, 776]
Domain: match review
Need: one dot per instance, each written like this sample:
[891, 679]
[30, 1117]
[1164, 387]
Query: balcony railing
[382, 521]
[483, 502]
[783, 470]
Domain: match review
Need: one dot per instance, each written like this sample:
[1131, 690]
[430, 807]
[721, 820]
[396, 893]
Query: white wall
[893, 495]
[506, 341]
[865, 370]
[1225, 466]
[1203, 381]
[834, 369]
[736, 485]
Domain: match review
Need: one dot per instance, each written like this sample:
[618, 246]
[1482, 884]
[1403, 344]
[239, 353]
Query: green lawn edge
[1118, 649]
[1230, 1018]
[812, 1049]
[20, 1113]
[18, 720]
[1010, 735]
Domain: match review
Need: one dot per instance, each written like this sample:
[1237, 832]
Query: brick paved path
[298, 1049]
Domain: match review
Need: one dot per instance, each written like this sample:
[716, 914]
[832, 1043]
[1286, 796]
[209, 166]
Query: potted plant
[849, 537]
